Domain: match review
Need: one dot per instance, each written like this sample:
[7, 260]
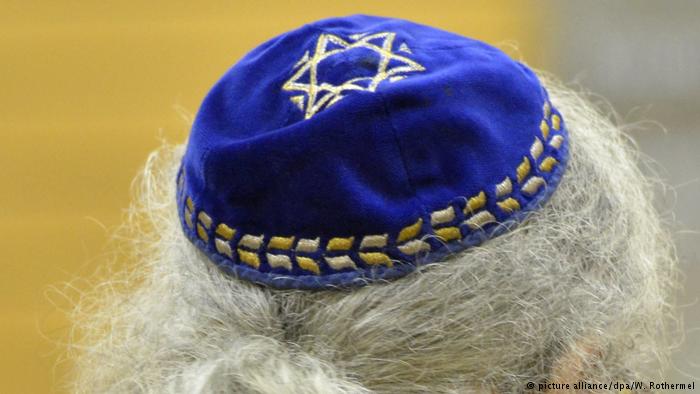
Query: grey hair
[581, 289]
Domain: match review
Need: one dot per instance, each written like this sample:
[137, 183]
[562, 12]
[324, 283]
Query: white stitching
[251, 241]
[374, 241]
[533, 185]
[340, 262]
[279, 260]
[503, 188]
[442, 216]
[307, 245]
[413, 247]
[479, 220]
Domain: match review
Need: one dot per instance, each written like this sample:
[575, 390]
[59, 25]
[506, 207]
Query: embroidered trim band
[365, 257]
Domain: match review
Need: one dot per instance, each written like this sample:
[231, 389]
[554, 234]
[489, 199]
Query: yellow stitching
[442, 216]
[279, 260]
[448, 233]
[340, 243]
[509, 205]
[189, 210]
[548, 163]
[373, 241]
[410, 232]
[251, 241]
[341, 262]
[202, 233]
[307, 245]
[475, 203]
[536, 148]
[544, 128]
[523, 169]
[556, 141]
[322, 94]
[204, 219]
[556, 122]
[375, 258]
[546, 109]
[298, 101]
[249, 258]
[284, 243]
[480, 219]
[357, 36]
[308, 264]
[188, 218]
[223, 247]
[413, 247]
[503, 188]
[533, 185]
[225, 231]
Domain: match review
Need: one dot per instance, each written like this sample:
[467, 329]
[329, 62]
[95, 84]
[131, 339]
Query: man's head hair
[580, 290]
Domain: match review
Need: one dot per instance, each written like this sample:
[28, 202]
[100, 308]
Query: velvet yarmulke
[355, 149]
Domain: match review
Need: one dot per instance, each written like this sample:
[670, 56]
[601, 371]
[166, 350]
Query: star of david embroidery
[318, 95]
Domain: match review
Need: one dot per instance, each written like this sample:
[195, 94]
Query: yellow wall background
[87, 89]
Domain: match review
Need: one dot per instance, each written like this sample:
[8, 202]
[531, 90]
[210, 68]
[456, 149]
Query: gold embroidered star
[318, 95]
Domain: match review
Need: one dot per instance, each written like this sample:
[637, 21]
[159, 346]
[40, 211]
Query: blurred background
[87, 89]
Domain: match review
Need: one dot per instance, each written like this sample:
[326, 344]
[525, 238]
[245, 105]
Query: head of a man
[370, 205]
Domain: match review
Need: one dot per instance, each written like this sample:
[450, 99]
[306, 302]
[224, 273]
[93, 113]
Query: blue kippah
[354, 149]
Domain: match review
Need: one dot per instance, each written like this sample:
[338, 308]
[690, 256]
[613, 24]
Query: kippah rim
[360, 259]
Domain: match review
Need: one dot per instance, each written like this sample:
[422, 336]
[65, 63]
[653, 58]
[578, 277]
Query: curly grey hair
[581, 289]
